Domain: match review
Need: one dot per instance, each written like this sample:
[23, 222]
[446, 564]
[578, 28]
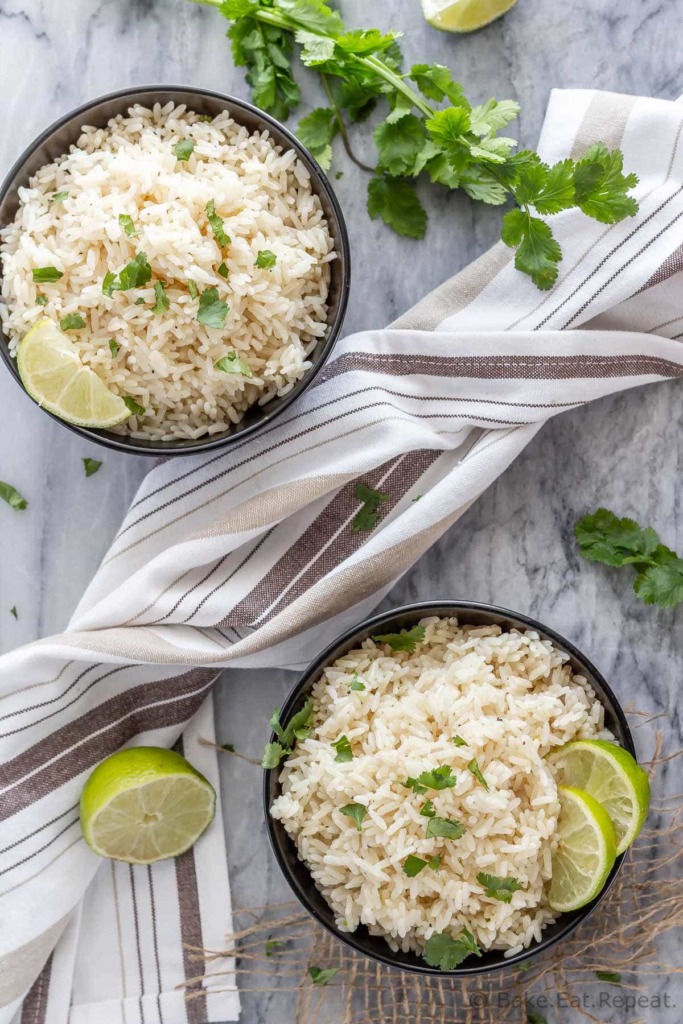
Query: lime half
[612, 777]
[586, 851]
[53, 374]
[463, 15]
[145, 804]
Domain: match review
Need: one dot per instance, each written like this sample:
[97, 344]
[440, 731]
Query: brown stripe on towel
[34, 1007]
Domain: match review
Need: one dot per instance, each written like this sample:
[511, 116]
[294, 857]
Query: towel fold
[249, 558]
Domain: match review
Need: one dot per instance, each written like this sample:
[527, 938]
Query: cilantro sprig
[430, 128]
[299, 727]
[445, 952]
[603, 537]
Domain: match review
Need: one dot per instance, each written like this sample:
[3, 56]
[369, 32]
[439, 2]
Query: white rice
[512, 697]
[166, 361]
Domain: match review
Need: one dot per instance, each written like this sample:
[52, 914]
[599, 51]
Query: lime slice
[612, 777]
[144, 804]
[464, 15]
[53, 374]
[586, 851]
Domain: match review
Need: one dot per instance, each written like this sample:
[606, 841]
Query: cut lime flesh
[612, 777]
[586, 851]
[53, 374]
[463, 15]
[145, 804]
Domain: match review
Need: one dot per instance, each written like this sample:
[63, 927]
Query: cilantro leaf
[135, 408]
[41, 300]
[134, 275]
[91, 466]
[298, 727]
[266, 52]
[72, 322]
[45, 274]
[491, 116]
[498, 888]
[476, 771]
[184, 150]
[229, 747]
[113, 348]
[192, 288]
[321, 975]
[272, 945]
[406, 640]
[479, 185]
[661, 584]
[437, 778]
[396, 202]
[58, 197]
[356, 684]
[459, 741]
[315, 49]
[612, 976]
[161, 303]
[127, 224]
[13, 611]
[364, 41]
[12, 497]
[427, 809]
[446, 953]
[435, 862]
[356, 812]
[212, 310]
[273, 754]
[216, 223]
[316, 131]
[108, 283]
[447, 128]
[223, 269]
[343, 748]
[413, 865]
[366, 517]
[232, 363]
[399, 143]
[537, 250]
[413, 784]
[534, 1017]
[557, 192]
[446, 828]
[436, 83]
[265, 259]
[601, 188]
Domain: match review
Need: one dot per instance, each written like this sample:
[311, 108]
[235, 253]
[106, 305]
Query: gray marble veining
[515, 546]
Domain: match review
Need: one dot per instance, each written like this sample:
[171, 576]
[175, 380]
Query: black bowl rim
[366, 627]
[137, 94]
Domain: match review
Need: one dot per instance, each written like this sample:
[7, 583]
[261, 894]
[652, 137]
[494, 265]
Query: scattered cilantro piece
[12, 497]
[184, 150]
[162, 302]
[216, 223]
[108, 282]
[395, 201]
[476, 771]
[321, 976]
[498, 888]
[445, 828]
[229, 747]
[459, 741]
[232, 363]
[446, 953]
[192, 288]
[41, 300]
[212, 310]
[58, 197]
[534, 1017]
[299, 727]
[72, 322]
[133, 406]
[522, 968]
[45, 274]
[13, 611]
[404, 641]
[339, 175]
[223, 269]
[356, 812]
[435, 862]
[612, 976]
[366, 517]
[343, 748]
[413, 865]
[437, 778]
[127, 224]
[413, 784]
[273, 753]
[91, 466]
[617, 542]
[113, 348]
[139, 301]
[265, 259]
[427, 809]
[134, 275]
[356, 684]
[272, 945]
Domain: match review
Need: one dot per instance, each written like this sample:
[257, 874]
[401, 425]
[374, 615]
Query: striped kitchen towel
[248, 558]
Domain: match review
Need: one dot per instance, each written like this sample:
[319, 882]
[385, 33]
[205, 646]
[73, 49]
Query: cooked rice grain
[512, 697]
[166, 361]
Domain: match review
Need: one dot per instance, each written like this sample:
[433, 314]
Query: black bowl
[56, 140]
[285, 851]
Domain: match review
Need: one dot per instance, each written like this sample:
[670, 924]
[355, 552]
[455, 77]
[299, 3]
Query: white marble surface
[515, 546]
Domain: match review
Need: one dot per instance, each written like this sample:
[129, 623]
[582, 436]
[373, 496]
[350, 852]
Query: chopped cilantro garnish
[72, 322]
[534, 1017]
[58, 197]
[223, 269]
[229, 747]
[273, 753]
[45, 274]
[498, 888]
[113, 348]
[161, 303]
[232, 363]
[134, 275]
[321, 976]
[127, 224]
[41, 300]
[91, 466]
[459, 741]
[427, 809]
[612, 976]
[343, 748]
[437, 778]
[413, 865]
[12, 497]
[356, 812]
[446, 953]
[133, 406]
[404, 641]
[366, 517]
[272, 945]
[476, 771]
[356, 684]
[265, 259]
[13, 611]
[212, 310]
[435, 862]
[445, 828]
[192, 288]
[184, 150]
[216, 223]
[298, 728]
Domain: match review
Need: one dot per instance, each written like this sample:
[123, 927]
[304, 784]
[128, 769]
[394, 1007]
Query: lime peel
[464, 15]
[586, 851]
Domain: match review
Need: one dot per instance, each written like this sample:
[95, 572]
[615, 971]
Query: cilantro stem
[342, 127]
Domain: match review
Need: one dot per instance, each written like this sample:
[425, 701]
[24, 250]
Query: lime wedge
[586, 851]
[53, 374]
[464, 15]
[145, 804]
[612, 777]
